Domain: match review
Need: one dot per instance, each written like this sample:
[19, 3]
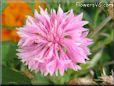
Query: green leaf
[5, 49]
[40, 79]
[10, 76]
[9, 57]
[105, 57]
[95, 58]
[104, 39]
[4, 4]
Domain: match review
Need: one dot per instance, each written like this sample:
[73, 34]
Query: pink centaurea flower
[53, 42]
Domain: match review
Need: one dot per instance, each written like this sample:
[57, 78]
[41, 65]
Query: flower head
[53, 42]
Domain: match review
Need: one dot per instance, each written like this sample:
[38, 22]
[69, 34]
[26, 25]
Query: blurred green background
[98, 70]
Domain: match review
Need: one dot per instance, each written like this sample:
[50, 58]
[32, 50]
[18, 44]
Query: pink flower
[53, 42]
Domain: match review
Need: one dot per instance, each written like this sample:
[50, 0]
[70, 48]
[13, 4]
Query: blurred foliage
[13, 77]
[101, 28]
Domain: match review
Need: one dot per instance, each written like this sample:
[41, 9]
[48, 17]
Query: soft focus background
[98, 70]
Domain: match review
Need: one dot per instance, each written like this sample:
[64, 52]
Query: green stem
[100, 26]
[96, 17]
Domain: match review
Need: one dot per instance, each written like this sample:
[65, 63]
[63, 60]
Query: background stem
[100, 26]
